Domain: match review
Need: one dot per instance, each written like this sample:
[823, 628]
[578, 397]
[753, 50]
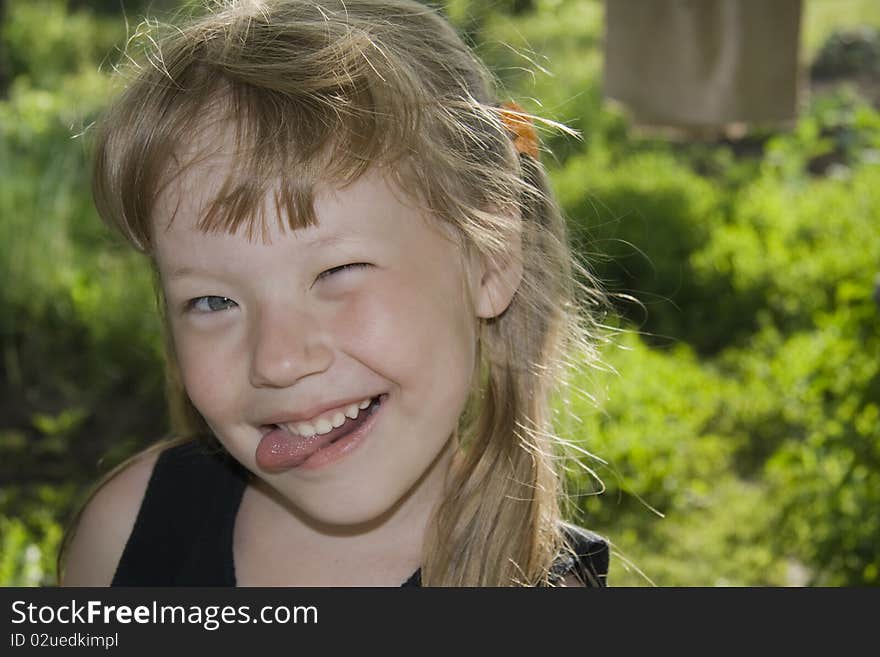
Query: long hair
[317, 92]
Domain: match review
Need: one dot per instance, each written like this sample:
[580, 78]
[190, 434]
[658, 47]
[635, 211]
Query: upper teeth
[326, 423]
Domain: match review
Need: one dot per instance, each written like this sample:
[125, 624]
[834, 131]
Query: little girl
[368, 301]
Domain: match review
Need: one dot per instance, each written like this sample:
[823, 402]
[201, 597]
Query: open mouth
[349, 425]
[279, 449]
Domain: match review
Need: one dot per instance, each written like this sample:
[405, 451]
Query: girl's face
[270, 332]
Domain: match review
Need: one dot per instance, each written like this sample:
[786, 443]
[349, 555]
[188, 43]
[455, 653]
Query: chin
[347, 512]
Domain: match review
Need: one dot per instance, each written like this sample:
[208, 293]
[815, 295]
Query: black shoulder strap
[589, 557]
[183, 532]
[586, 558]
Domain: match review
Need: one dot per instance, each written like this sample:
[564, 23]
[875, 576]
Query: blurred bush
[640, 221]
[45, 42]
[81, 384]
[847, 53]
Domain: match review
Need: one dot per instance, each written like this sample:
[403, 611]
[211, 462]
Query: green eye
[209, 304]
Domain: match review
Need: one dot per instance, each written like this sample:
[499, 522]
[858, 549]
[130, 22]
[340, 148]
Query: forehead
[219, 182]
[373, 204]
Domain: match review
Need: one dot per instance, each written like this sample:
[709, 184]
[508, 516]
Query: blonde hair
[317, 92]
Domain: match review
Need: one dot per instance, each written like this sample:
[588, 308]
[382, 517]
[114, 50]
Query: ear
[499, 277]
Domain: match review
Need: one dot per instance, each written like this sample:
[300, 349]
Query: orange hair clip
[521, 128]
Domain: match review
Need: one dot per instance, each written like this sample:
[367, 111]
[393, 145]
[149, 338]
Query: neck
[395, 537]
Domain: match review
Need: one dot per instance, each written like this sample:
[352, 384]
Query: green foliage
[663, 453]
[641, 219]
[20, 558]
[79, 344]
[795, 249]
[849, 52]
[824, 466]
[29, 541]
[757, 435]
[673, 504]
[839, 130]
[46, 42]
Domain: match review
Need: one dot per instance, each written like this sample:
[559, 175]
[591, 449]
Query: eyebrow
[313, 243]
[327, 240]
[180, 272]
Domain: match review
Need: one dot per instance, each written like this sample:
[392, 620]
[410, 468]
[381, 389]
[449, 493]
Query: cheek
[204, 367]
[410, 333]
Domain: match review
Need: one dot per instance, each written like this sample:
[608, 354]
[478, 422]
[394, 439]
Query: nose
[287, 345]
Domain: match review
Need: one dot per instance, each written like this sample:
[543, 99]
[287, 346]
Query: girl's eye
[209, 304]
[353, 265]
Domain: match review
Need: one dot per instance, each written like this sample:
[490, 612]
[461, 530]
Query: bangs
[288, 132]
[275, 148]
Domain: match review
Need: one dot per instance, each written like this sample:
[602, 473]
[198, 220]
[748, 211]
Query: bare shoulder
[106, 522]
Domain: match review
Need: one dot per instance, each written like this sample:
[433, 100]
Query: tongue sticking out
[280, 450]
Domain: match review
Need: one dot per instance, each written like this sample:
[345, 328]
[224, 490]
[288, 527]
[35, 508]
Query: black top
[183, 532]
